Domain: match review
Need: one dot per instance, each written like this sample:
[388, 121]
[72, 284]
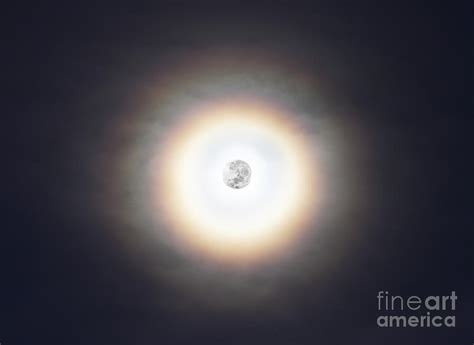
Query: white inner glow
[236, 213]
[235, 223]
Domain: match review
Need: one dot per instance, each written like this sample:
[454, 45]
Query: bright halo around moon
[236, 224]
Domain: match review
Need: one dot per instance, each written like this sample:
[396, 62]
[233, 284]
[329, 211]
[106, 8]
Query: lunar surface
[237, 174]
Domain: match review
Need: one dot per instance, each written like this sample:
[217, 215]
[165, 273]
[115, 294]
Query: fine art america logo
[415, 311]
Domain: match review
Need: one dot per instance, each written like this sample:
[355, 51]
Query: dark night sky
[398, 73]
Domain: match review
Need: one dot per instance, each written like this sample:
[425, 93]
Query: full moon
[237, 174]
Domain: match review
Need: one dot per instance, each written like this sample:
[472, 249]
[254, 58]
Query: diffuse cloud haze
[229, 104]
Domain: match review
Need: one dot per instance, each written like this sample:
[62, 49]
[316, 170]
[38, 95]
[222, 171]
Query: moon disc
[237, 174]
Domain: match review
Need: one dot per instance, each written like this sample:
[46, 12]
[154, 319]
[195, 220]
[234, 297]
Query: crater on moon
[237, 174]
